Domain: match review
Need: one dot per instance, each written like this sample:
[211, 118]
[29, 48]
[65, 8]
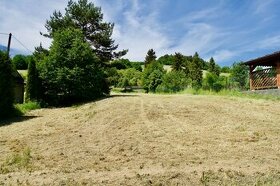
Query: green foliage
[213, 82]
[213, 67]
[178, 62]
[195, 71]
[20, 62]
[26, 107]
[239, 75]
[152, 76]
[121, 64]
[32, 86]
[71, 72]
[6, 86]
[166, 59]
[86, 17]
[173, 81]
[225, 69]
[40, 53]
[150, 57]
[132, 76]
[137, 65]
[113, 76]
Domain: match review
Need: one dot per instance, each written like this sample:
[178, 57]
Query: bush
[214, 83]
[173, 81]
[152, 76]
[6, 87]
[26, 107]
[239, 76]
[132, 75]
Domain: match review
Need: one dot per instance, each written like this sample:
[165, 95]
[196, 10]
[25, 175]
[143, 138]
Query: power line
[21, 44]
[4, 33]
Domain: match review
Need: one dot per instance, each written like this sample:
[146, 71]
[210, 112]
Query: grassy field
[138, 139]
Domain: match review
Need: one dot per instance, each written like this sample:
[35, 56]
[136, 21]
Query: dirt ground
[146, 140]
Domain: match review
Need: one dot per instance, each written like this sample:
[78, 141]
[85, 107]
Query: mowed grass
[140, 139]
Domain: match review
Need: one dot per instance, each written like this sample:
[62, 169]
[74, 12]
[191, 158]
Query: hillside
[145, 140]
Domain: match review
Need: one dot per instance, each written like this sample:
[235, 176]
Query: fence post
[278, 73]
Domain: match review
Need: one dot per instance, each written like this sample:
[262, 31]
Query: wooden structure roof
[267, 77]
[17, 77]
[268, 60]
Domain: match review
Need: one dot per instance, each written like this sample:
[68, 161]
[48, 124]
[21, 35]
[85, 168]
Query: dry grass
[149, 140]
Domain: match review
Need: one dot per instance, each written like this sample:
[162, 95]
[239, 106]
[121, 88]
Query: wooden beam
[278, 74]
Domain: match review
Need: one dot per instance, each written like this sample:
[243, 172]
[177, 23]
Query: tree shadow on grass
[123, 95]
[15, 120]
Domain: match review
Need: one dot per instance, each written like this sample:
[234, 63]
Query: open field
[145, 140]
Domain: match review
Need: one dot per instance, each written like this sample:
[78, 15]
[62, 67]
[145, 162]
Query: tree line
[186, 72]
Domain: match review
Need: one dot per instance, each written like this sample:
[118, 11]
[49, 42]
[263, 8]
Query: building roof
[267, 60]
[18, 78]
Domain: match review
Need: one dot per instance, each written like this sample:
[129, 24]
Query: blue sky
[228, 30]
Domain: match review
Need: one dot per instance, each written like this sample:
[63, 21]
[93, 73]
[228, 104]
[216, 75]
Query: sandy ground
[147, 140]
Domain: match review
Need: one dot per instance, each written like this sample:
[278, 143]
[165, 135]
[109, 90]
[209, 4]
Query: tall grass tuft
[26, 107]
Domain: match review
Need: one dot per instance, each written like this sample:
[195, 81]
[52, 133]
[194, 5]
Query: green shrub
[173, 81]
[239, 76]
[26, 107]
[214, 83]
[152, 76]
[132, 75]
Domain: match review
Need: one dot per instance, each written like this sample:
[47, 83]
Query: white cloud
[222, 55]
[270, 42]
[25, 21]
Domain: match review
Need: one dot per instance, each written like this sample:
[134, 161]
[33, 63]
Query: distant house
[18, 87]
[268, 76]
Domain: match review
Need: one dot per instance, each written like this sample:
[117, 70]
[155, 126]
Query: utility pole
[9, 43]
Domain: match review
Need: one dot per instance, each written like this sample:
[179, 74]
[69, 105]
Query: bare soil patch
[146, 140]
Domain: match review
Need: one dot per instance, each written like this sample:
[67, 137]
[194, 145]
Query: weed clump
[17, 161]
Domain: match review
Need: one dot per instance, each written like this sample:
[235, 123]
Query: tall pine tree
[150, 57]
[178, 62]
[88, 18]
[195, 71]
[213, 67]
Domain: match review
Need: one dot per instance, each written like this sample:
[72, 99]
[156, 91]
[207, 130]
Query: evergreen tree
[6, 86]
[40, 53]
[86, 17]
[32, 86]
[195, 73]
[178, 62]
[150, 57]
[213, 67]
[71, 72]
